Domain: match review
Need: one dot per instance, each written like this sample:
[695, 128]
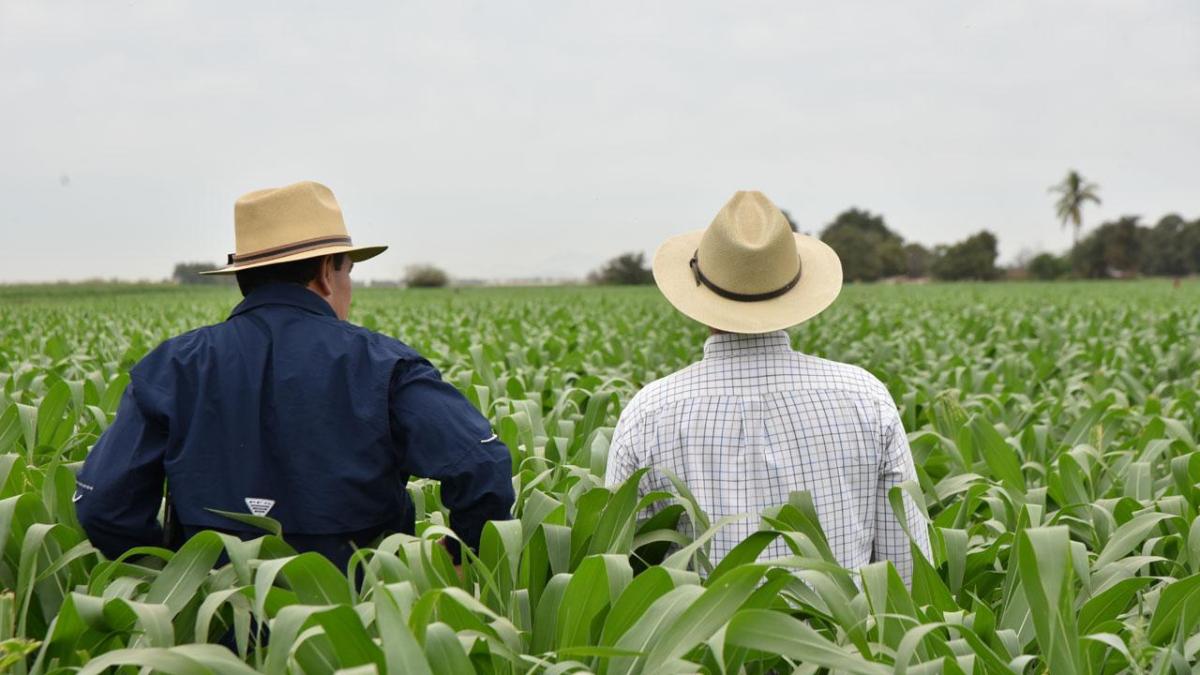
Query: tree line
[1116, 249]
[1127, 248]
[871, 251]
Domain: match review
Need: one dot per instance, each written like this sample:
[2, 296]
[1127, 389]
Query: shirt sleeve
[440, 435]
[896, 466]
[623, 451]
[120, 488]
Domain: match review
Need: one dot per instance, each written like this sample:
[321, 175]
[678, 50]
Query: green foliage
[1124, 248]
[972, 258]
[868, 249]
[1171, 248]
[917, 261]
[1055, 430]
[1048, 267]
[425, 276]
[1113, 249]
[1074, 192]
[627, 269]
[188, 273]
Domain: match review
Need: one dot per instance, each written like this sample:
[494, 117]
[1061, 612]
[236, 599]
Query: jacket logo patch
[259, 506]
[79, 488]
[489, 439]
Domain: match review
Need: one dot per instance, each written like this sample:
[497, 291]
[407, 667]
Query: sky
[538, 139]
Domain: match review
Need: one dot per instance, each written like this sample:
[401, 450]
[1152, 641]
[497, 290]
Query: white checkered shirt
[754, 421]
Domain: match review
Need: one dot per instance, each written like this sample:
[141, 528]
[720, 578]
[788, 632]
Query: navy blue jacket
[286, 411]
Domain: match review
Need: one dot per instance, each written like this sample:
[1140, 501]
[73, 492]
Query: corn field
[1055, 429]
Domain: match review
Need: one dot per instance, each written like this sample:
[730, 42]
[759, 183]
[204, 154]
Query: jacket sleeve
[896, 467]
[119, 489]
[440, 435]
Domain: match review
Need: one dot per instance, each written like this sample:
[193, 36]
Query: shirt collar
[727, 345]
[293, 295]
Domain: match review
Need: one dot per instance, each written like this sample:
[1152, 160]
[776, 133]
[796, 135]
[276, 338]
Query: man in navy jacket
[286, 410]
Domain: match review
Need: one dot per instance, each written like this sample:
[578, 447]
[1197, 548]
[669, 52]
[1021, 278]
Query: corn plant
[1054, 429]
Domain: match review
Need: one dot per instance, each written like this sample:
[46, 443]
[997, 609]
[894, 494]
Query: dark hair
[299, 272]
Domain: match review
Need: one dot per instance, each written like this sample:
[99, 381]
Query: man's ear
[323, 284]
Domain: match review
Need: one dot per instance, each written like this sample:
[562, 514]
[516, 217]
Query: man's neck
[312, 286]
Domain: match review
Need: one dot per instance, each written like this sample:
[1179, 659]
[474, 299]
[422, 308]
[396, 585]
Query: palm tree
[1074, 191]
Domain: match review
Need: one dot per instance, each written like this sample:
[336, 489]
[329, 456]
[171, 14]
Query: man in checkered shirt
[753, 420]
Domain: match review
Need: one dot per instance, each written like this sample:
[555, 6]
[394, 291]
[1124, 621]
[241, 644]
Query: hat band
[740, 297]
[280, 251]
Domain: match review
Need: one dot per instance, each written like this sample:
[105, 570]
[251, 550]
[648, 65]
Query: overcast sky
[513, 139]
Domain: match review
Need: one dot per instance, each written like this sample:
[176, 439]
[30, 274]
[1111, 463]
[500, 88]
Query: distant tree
[1113, 249]
[424, 276]
[1191, 245]
[1087, 257]
[972, 258]
[917, 259]
[860, 259]
[188, 273]
[1123, 249]
[868, 249]
[1165, 249]
[625, 269]
[1074, 192]
[1047, 266]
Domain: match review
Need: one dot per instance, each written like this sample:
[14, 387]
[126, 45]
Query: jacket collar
[292, 295]
[727, 345]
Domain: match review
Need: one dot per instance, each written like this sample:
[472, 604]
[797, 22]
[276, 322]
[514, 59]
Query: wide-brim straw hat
[295, 222]
[748, 272]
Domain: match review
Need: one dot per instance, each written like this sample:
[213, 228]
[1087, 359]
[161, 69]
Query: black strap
[297, 247]
[740, 297]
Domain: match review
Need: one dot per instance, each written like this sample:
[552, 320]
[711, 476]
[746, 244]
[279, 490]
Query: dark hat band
[739, 297]
[280, 251]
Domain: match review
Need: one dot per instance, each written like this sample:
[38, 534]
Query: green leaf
[445, 653]
[268, 525]
[1043, 557]
[401, 651]
[186, 573]
[778, 633]
[645, 631]
[633, 602]
[1129, 536]
[53, 427]
[159, 659]
[1000, 457]
[349, 638]
[1109, 603]
[592, 587]
[705, 616]
[1178, 611]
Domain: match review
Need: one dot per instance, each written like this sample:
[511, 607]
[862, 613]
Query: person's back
[288, 411]
[267, 415]
[754, 421]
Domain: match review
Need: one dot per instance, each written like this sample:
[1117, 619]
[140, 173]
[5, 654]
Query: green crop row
[1054, 429]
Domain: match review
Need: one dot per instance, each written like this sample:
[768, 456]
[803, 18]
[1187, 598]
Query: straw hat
[280, 225]
[748, 272]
